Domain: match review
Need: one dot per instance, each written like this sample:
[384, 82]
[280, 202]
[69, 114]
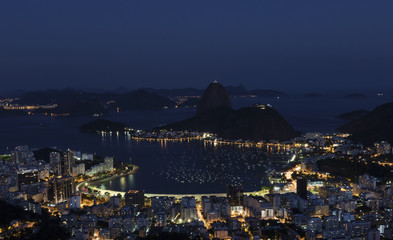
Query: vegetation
[373, 127]
[5, 157]
[48, 228]
[44, 154]
[353, 168]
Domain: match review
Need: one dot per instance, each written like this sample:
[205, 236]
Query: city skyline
[208, 120]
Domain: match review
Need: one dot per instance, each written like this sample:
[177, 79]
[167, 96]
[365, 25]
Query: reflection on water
[178, 167]
[195, 167]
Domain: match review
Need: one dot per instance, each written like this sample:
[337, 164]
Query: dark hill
[101, 125]
[251, 123]
[215, 96]
[215, 114]
[374, 126]
[83, 103]
[44, 153]
[142, 100]
[353, 115]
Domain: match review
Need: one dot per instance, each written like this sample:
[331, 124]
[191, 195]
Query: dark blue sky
[262, 44]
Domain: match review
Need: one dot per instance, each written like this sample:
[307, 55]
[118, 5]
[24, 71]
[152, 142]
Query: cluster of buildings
[298, 206]
[29, 182]
[9, 104]
[169, 135]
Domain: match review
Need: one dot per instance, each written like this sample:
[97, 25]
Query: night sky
[284, 45]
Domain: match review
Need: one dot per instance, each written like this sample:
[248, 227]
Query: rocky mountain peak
[215, 96]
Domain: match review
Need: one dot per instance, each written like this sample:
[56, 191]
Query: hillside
[374, 126]
[215, 114]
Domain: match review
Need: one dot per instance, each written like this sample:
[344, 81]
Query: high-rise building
[235, 195]
[301, 188]
[55, 162]
[27, 177]
[366, 181]
[109, 163]
[68, 162]
[75, 202]
[135, 198]
[78, 169]
[60, 189]
[21, 154]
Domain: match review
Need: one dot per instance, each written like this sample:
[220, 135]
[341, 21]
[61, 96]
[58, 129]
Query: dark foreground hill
[251, 123]
[374, 126]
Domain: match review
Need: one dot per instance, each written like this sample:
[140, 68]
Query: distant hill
[101, 125]
[353, 115]
[175, 91]
[83, 103]
[372, 127]
[231, 90]
[142, 100]
[98, 101]
[215, 114]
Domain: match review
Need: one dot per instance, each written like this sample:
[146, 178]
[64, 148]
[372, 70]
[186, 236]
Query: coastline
[106, 192]
[92, 183]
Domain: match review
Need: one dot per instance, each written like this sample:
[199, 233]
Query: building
[188, 210]
[135, 198]
[27, 177]
[68, 162]
[60, 189]
[109, 163]
[301, 187]
[55, 162]
[78, 169]
[314, 225]
[106, 166]
[75, 202]
[235, 195]
[162, 203]
[87, 156]
[115, 201]
[366, 181]
[383, 148]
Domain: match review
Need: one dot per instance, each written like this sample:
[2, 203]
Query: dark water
[179, 167]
